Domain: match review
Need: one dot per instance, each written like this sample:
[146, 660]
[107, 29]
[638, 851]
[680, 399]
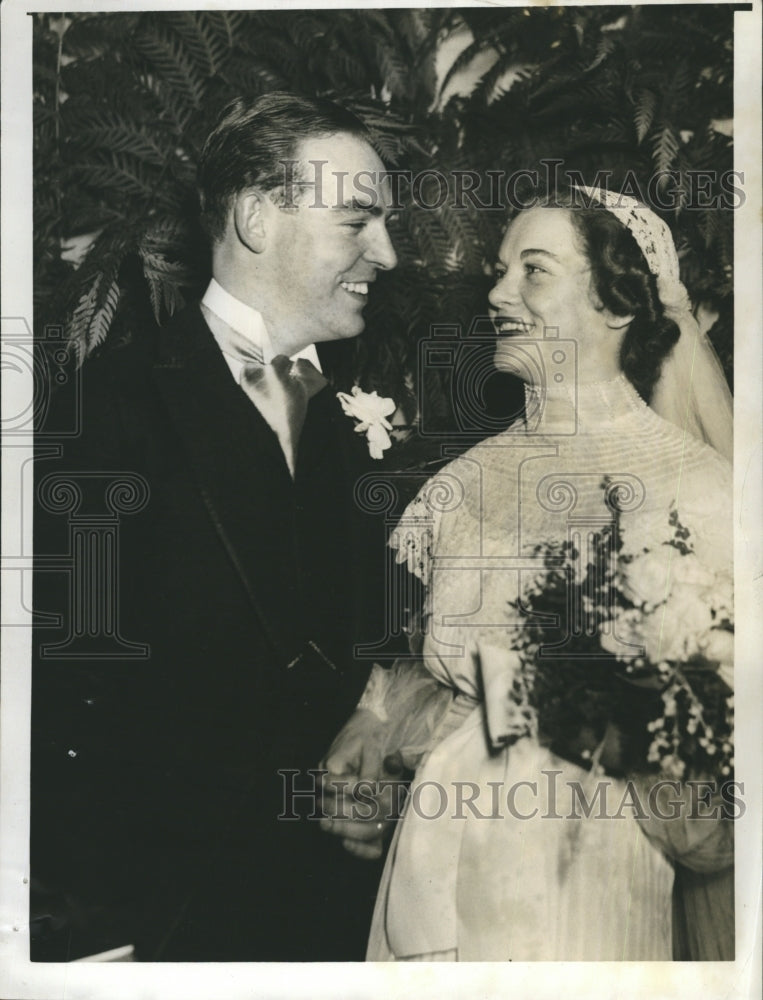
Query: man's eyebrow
[354, 205]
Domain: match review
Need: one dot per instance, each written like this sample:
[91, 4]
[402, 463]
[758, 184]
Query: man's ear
[249, 218]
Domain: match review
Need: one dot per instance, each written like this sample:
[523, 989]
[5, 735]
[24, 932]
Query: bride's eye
[499, 271]
[534, 269]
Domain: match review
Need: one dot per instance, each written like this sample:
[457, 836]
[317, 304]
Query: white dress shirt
[249, 323]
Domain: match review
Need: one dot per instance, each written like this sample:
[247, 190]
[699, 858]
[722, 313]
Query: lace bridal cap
[692, 391]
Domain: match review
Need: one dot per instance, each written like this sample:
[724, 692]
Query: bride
[590, 312]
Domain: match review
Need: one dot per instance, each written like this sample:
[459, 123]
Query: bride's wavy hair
[625, 286]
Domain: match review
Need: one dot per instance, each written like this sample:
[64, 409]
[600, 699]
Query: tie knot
[300, 377]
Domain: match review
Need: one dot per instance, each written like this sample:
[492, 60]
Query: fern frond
[644, 114]
[464, 59]
[348, 70]
[165, 283]
[680, 84]
[616, 130]
[121, 176]
[201, 41]
[412, 28]
[227, 23]
[103, 316]
[608, 43]
[432, 240]
[244, 75]
[168, 61]
[402, 241]
[156, 294]
[709, 226]
[79, 323]
[462, 232]
[394, 69]
[158, 266]
[166, 272]
[387, 146]
[485, 87]
[665, 145]
[93, 34]
[94, 312]
[117, 136]
[165, 231]
[173, 297]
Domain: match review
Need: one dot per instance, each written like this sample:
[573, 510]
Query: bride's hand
[361, 789]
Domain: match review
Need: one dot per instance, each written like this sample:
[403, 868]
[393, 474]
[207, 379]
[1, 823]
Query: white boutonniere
[372, 411]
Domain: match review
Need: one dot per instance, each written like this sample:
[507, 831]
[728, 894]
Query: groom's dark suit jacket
[155, 785]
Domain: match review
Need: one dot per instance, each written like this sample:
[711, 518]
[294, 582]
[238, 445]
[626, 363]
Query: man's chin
[338, 331]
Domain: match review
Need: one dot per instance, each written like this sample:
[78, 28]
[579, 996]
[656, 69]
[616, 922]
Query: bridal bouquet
[635, 636]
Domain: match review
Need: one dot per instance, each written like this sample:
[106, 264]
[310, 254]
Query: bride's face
[544, 281]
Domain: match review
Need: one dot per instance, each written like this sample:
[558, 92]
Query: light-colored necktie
[280, 390]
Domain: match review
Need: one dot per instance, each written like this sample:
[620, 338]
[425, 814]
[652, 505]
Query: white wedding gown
[481, 887]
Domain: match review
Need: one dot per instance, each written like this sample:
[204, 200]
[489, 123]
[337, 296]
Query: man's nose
[379, 250]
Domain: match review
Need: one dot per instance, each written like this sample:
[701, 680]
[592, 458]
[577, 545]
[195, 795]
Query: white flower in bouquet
[718, 646]
[722, 597]
[372, 411]
[687, 569]
[680, 599]
[674, 629]
[648, 578]
[645, 578]
[642, 531]
[671, 632]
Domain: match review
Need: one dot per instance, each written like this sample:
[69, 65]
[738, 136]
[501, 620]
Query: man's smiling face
[322, 253]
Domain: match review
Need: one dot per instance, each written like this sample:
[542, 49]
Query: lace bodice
[471, 531]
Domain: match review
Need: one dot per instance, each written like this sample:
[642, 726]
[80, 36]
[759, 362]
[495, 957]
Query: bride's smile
[544, 285]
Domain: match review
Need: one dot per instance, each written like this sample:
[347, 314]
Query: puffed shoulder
[458, 488]
[415, 536]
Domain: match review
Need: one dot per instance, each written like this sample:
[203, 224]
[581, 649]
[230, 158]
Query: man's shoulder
[126, 364]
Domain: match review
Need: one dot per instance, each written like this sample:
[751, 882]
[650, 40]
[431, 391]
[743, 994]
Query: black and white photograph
[381, 444]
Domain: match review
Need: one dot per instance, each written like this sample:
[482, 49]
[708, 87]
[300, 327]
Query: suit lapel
[240, 471]
[337, 458]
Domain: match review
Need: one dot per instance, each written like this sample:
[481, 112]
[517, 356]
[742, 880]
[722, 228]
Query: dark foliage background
[123, 102]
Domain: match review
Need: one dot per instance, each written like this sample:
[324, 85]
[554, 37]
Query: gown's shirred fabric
[460, 884]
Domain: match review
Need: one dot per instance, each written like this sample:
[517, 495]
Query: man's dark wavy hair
[252, 137]
[625, 285]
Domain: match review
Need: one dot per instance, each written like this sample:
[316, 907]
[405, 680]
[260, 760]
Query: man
[158, 784]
